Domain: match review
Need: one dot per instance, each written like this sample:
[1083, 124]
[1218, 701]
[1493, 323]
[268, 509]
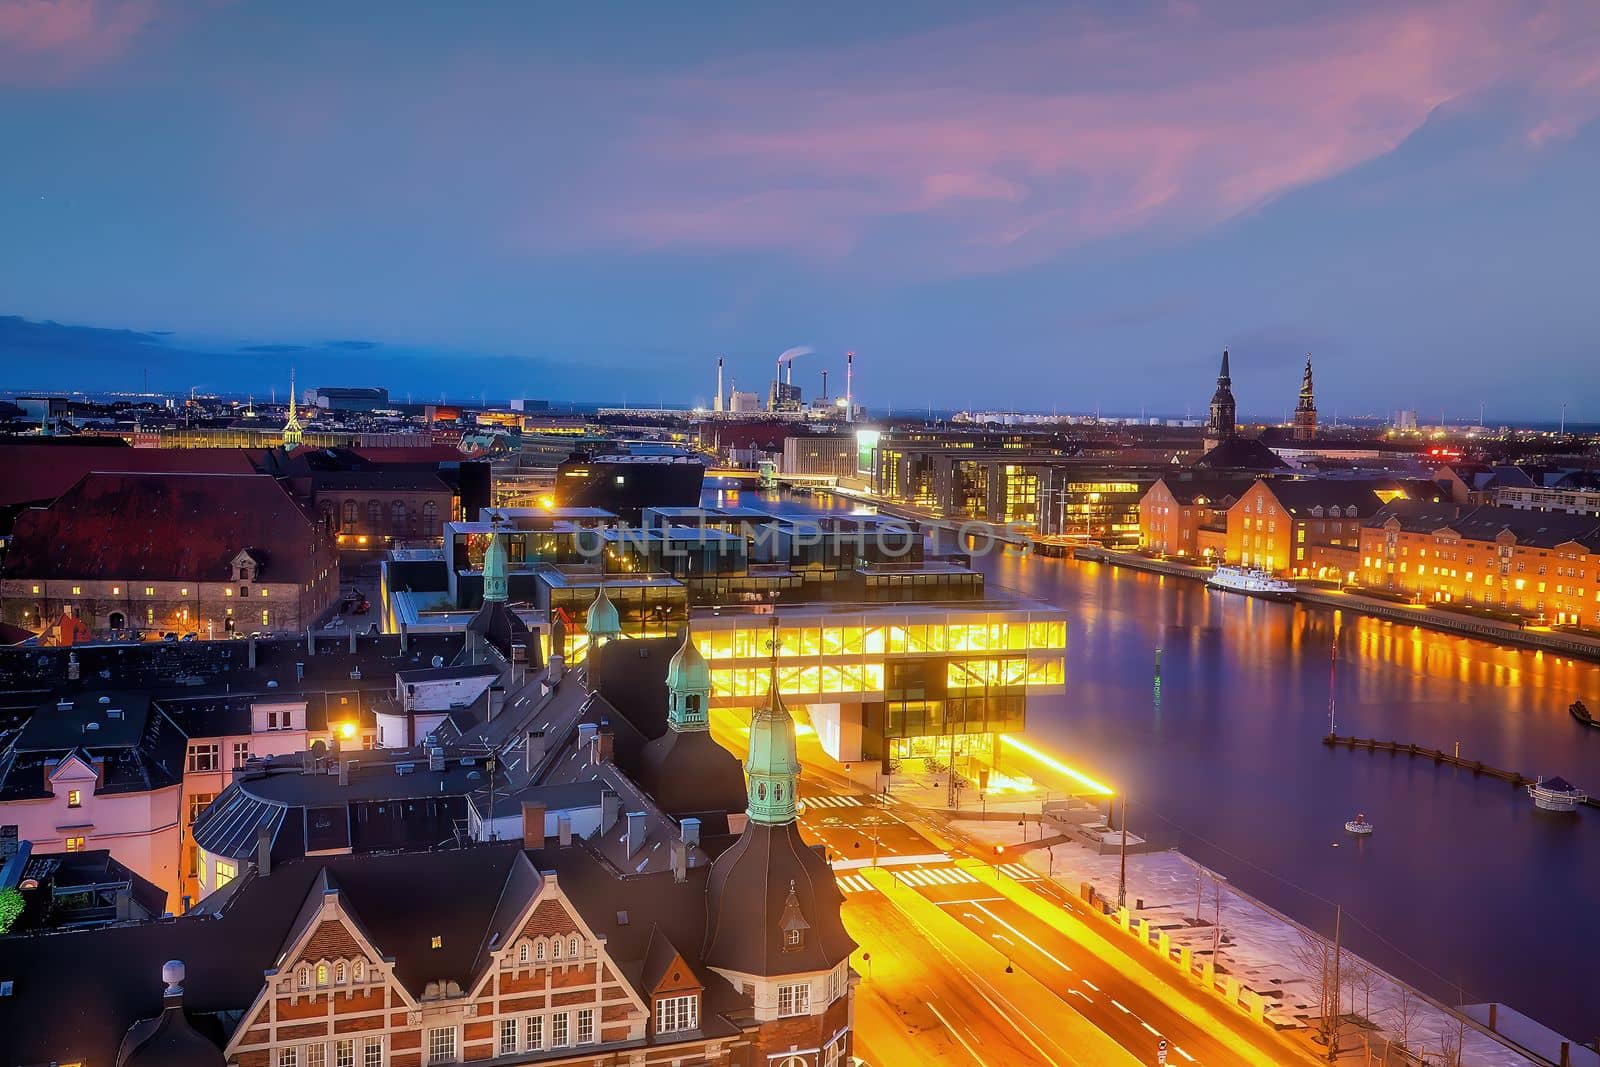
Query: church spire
[496, 588]
[688, 688]
[1305, 412]
[1221, 426]
[292, 432]
[773, 765]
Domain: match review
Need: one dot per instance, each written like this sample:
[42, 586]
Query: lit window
[794, 999]
[77, 590]
[227, 592]
[266, 617]
[438, 942]
[74, 798]
[149, 590]
[184, 591]
[116, 590]
[263, 592]
[35, 589]
[76, 844]
[677, 1013]
[322, 974]
[225, 873]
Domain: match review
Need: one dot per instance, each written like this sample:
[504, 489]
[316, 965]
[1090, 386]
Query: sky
[1070, 206]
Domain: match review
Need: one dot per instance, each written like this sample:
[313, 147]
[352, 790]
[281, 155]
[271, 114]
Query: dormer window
[322, 974]
[339, 973]
[538, 952]
[555, 949]
[522, 952]
[305, 978]
[574, 948]
[360, 971]
[792, 939]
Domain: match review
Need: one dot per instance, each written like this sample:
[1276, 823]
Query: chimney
[345, 766]
[311, 641]
[564, 830]
[252, 653]
[74, 669]
[557, 665]
[532, 824]
[534, 745]
[263, 850]
[586, 732]
[436, 760]
[352, 639]
[636, 830]
[691, 833]
[405, 639]
[605, 744]
[610, 806]
[299, 672]
[680, 862]
[497, 700]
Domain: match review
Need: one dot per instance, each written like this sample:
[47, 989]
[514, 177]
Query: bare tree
[1314, 954]
[1360, 979]
[1404, 1017]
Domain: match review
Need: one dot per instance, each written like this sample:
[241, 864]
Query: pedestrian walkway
[842, 801]
[1018, 872]
[930, 876]
[853, 883]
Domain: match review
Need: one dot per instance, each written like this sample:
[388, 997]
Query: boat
[1556, 794]
[1252, 581]
[1581, 713]
[1359, 824]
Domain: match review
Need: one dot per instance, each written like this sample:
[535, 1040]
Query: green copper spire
[495, 585]
[603, 620]
[688, 689]
[773, 766]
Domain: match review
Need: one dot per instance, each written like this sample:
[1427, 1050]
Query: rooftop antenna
[1563, 418]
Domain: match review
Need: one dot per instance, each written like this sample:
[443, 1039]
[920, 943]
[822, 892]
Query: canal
[1463, 884]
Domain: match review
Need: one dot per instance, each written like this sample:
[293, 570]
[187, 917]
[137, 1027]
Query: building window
[585, 1026]
[360, 971]
[264, 592]
[558, 1030]
[74, 798]
[204, 757]
[241, 753]
[538, 952]
[349, 512]
[372, 1052]
[677, 1013]
[794, 999]
[791, 939]
[322, 974]
[77, 590]
[338, 973]
[344, 1053]
[305, 978]
[374, 515]
[442, 1044]
[198, 802]
[226, 872]
[288, 1056]
[574, 948]
[317, 1055]
[266, 617]
[397, 516]
[522, 952]
[555, 949]
[76, 844]
[508, 1036]
[149, 590]
[535, 1031]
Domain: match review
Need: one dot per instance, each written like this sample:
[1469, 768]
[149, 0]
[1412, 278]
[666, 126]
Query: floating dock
[1402, 748]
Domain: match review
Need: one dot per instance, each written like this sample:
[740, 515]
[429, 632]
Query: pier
[1402, 748]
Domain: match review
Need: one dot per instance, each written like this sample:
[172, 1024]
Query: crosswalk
[928, 876]
[843, 801]
[853, 883]
[1017, 871]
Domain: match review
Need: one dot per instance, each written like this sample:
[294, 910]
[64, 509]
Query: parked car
[169, 636]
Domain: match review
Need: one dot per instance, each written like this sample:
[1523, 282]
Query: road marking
[1091, 985]
[1119, 1006]
[931, 876]
[1153, 1030]
[1046, 953]
[1018, 872]
[957, 1035]
[1182, 1053]
[1086, 997]
[853, 883]
[833, 802]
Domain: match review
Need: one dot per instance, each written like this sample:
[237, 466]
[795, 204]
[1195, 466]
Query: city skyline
[1088, 204]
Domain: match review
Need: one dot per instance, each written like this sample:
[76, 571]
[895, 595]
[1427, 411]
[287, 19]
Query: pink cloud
[48, 41]
[1016, 137]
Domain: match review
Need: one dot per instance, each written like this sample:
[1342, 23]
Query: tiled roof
[167, 527]
[36, 473]
[1215, 490]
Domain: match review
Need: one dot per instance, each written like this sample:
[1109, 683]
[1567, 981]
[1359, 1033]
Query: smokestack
[849, 386]
[564, 830]
[311, 642]
[264, 850]
[824, 383]
[636, 829]
[252, 653]
[534, 744]
[716, 405]
[604, 746]
[610, 806]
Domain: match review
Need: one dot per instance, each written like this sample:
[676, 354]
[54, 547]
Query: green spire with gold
[688, 688]
[773, 765]
[495, 583]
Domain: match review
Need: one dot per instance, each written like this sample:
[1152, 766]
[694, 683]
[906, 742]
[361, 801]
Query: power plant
[784, 398]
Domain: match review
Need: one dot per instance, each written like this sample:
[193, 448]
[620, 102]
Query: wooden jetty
[1437, 757]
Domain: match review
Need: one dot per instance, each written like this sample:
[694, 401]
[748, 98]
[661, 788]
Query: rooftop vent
[272, 683]
[91, 726]
[405, 768]
[438, 661]
[113, 713]
[105, 700]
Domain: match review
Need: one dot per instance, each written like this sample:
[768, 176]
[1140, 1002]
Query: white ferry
[1250, 581]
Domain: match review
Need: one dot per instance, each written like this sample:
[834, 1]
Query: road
[951, 980]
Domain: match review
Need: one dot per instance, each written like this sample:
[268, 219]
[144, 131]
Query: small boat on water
[1251, 581]
[1581, 713]
[1359, 824]
[1556, 794]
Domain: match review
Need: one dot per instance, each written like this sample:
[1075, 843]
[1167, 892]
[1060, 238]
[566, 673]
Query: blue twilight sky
[1056, 205]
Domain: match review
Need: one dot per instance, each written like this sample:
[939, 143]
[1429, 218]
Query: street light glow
[1056, 765]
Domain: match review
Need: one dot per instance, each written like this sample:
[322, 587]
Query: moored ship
[1251, 581]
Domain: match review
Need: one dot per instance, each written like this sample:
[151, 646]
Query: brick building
[1311, 527]
[193, 553]
[1540, 565]
[1188, 517]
